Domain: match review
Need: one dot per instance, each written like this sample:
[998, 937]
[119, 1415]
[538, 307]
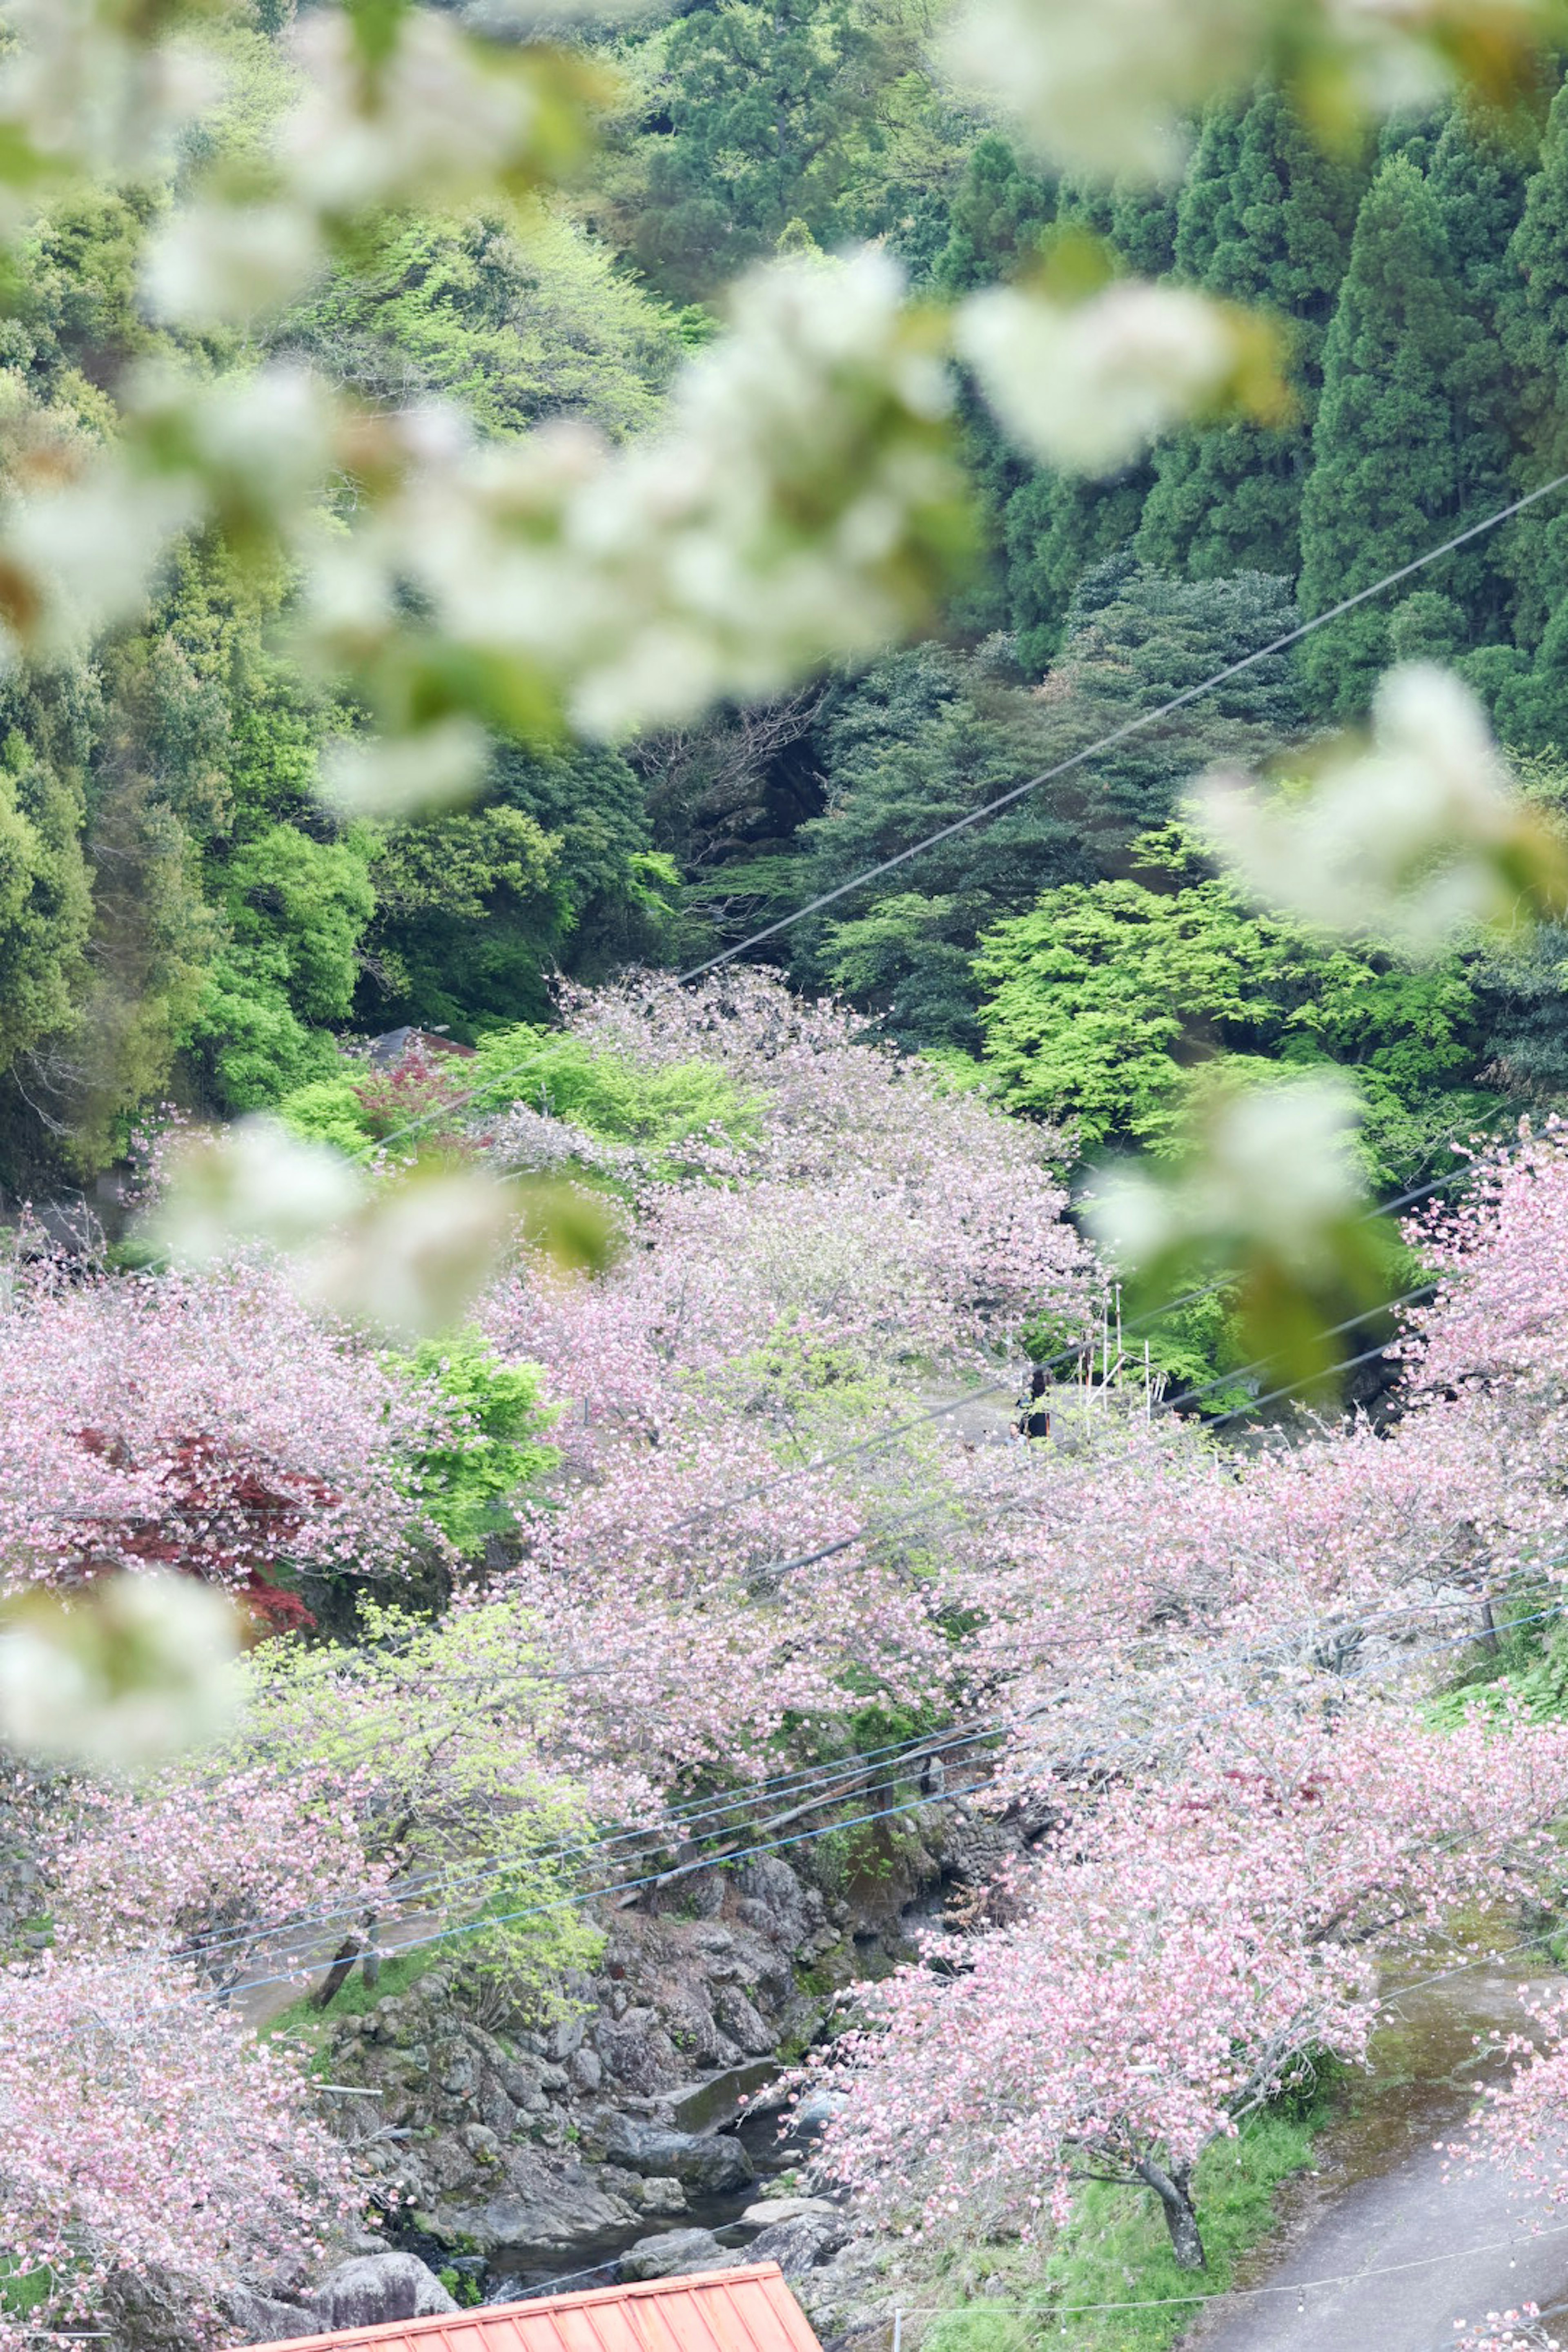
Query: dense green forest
[181, 919]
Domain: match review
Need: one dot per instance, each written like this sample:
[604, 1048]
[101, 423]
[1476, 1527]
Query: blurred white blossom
[800, 501]
[429, 768]
[1269, 1200]
[254, 1182]
[79, 555]
[442, 117]
[1088, 385]
[1115, 87]
[1411, 838]
[412, 1263]
[98, 86]
[215, 263]
[130, 1671]
[1278, 1165]
[1109, 87]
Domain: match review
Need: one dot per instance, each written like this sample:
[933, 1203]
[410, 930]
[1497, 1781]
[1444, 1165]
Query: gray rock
[768, 1882]
[799, 2245]
[675, 2251]
[548, 2209]
[564, 2036]
[637, 2051]
[257, 2319]
[705, 2161]
[587, 2069]
[374, 2288]
[771, 2210]
[663, 2194]
[741, 2021]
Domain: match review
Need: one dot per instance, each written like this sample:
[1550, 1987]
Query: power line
[841, 1772]
[848, 1769]
[1133, 726]
[1136, 725]
[706, 1862]
[959, 1736]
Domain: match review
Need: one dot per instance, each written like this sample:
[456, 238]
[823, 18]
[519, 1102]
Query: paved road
[1381, 2201]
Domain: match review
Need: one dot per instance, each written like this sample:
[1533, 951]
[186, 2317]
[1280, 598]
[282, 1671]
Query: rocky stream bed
[639, 2134]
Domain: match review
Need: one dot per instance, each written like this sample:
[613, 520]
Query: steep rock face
[514, 2140]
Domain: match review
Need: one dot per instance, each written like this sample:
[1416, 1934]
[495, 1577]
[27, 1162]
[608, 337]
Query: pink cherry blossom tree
[207, 1424]
[145, 2138]
[1185, 1948]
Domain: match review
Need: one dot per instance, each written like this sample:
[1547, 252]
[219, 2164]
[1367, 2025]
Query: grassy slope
[1116, 2252]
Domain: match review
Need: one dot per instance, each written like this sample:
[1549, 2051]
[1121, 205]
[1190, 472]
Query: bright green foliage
[515, 329]
[459, 1786]
[1113, 1006]
[620, 1102]
[658, 1111]
[299, 906]
[1268, 223]
[487, 1445]
[296, 909]
[44, 900]
[1384, 483]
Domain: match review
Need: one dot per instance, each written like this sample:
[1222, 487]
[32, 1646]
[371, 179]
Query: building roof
[743, 2310]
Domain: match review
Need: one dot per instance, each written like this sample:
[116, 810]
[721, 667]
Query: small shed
[748, 2309]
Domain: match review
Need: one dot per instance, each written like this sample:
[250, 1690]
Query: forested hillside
[185, 921]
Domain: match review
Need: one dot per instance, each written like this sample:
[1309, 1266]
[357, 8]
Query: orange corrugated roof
[743, 2310]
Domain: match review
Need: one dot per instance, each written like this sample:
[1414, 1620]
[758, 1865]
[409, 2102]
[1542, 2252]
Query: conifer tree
[1384, 482]
[998, 213]
[1477, 176]
[1533, 322]
[1267, 219]
[1204, 209]
[1143, 227]
[1056, 528]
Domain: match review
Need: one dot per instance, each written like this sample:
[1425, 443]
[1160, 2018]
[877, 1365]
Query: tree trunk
[1175, 2191]
[344, 1959]
[370, 1961]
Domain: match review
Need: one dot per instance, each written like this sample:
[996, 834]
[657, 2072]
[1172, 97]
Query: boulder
[256, 2318]
[372, 2289]
[675, 2251]
[660, 2195]
[543, 2213]
[706, 2161]
[770, 2210]
[799, 2245]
